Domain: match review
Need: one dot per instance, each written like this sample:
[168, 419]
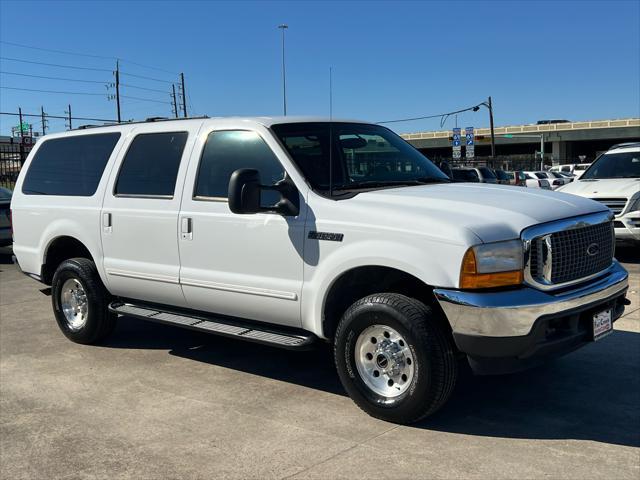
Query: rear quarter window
[69, 166]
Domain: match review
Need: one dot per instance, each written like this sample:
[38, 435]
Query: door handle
[106, 223]
[186, 228]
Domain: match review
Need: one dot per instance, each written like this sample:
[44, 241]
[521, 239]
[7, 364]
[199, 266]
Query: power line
[141, 88]
[53, 78]
[475, 107]
[144, 99]
[66, 52]
[50, 91]
[66, 117]
[57, 65]
[143, 77]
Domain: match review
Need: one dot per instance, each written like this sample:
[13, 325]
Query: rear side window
[150, 167]
[226, 152]
[486, 173]
[69, 166]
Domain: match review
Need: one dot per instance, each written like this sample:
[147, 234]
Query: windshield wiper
[390, 183]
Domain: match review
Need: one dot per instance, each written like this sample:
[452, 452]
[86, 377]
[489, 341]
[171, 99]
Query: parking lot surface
[160, 402]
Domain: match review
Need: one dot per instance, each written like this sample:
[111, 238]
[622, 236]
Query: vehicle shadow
[591, 394]
[628, 254]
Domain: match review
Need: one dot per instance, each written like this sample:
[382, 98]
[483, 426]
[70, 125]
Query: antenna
[330, 134]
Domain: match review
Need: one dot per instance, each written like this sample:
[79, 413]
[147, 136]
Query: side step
[268, 335]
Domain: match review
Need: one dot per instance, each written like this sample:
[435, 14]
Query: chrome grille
[573, 251]
[616, 205]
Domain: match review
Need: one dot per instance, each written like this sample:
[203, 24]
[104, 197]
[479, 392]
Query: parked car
[241, 227]
[465, 175]
[576, 169]
[502, 177]
[517, 178]
[532, 181]
[5, 217]
[614, 180]
[486, 175]
[568, 176]
[555, 179]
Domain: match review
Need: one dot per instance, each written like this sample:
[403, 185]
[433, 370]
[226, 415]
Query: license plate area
[602, 324]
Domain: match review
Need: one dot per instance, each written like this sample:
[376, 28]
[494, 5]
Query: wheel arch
[360, 281]
[59, 249]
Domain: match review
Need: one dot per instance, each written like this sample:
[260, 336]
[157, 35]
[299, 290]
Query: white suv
[614, 180]
[291, 232]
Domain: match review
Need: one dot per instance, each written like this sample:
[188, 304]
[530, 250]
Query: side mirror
[245, 194]
[244, 191]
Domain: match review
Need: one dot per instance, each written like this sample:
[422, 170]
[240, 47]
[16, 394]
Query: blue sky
[577, 60]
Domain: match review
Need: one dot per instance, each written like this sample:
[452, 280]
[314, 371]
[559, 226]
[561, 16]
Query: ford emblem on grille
[593, 249]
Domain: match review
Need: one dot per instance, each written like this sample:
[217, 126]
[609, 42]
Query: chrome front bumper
[513, 313]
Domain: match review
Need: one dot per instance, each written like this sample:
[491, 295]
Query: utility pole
[117, 74]
[184, 97]
[493, 137]
[283, 27]
[44, 121]
[175, 103]
[20, 127]
[68, 112]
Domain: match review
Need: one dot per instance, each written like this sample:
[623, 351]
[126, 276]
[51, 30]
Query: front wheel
[80, 302]
[395, 358]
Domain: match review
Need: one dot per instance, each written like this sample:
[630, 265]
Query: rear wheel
[395, 358]
[80, 302]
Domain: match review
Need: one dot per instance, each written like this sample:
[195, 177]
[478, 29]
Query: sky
[576, 60]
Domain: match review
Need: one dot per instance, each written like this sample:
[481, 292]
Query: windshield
[614, 165]
[487, 173]
[5, 193]
[465, 175]
[363, 156]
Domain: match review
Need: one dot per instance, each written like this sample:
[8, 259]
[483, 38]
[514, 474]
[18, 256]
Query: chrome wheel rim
[384, 360]
[74, 303]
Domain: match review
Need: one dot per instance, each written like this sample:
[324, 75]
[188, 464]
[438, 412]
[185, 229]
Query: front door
[139, 218]
[240, 265]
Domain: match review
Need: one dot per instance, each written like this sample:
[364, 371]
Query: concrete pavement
[161, 402]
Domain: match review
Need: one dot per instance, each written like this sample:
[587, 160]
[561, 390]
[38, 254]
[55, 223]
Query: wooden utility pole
[175, 103]
[117, 74]
[184, 96]
[44, 121]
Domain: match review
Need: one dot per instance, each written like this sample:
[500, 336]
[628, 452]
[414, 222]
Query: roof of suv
[266, 121]
[630, 146]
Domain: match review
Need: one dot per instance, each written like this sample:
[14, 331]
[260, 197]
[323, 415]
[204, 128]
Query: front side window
[229, 150]
[487, 173]
[69, 165]
[362, 156]
[614, 165]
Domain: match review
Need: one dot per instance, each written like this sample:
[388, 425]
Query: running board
[272, 335]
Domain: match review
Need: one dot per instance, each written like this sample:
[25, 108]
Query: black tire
[431, 345]
[100, 322]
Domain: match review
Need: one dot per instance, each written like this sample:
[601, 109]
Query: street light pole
[283, 27]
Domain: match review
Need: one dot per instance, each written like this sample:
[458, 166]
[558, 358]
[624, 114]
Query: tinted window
[226, 152]
[69, 165]
[362, 156]
[615, 165]
[465, 175]
[151, 164]
[540, 175]
[486, 173]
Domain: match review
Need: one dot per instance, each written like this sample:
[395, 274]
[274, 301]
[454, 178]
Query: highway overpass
[564, 142]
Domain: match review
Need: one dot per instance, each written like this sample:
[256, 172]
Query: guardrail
[548, 127]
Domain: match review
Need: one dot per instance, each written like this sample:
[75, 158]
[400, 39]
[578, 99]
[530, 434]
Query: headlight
[492, 265]
[635, 205]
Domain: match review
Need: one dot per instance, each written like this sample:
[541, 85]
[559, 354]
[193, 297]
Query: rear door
[139, 217]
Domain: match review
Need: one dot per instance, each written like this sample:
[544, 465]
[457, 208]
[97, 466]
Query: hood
[604, 188]
[490, 212]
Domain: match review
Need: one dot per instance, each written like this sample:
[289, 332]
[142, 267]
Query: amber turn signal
[470, 279]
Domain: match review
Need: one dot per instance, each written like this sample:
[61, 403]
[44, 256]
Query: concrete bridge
[564, 142]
